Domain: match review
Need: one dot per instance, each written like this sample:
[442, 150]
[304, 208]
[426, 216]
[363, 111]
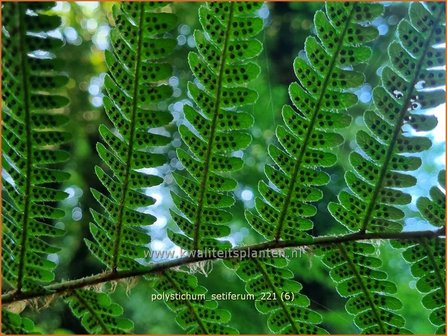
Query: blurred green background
[85, 29]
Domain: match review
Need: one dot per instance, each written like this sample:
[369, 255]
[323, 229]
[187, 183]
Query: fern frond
[97, 313]
[354, 267]
[136, 68]
[427, 256]
[13, 324]
[223, 69]
[379, 170]
[31, 134]
[427, 259]
[193, 313]
[309, 136]
[387, 153]
[268, 279]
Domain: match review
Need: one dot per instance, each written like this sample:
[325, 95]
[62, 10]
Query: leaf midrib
[204, 180]
[119, 224]
[397, 130]
[310, 129]
[364, 288]
[29, 151]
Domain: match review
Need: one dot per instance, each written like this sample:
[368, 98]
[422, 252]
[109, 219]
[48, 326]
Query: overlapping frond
[97, 313]
[321, 97]
[278, 295]
[410, 85]
[31, 135]
[134, 89]
[223, 69]
[194, 312]
[13, 324]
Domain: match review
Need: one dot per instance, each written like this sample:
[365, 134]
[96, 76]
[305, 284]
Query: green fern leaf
[31, 133]
[372, 204]
[427, 256]
[13, 324]
[397, 103]
[427, 259]
[194, 313]
[268, 279]
[284, 211]
[136, 68]
[309, 136]
[97, 313]
[223, 68]
[354, 267]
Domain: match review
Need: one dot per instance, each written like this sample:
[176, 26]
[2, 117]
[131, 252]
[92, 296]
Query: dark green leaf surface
[31, 134]
[137, 68]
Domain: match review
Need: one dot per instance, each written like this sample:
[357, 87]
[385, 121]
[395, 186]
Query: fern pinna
[309, 136]
[31, 133]
[223, 70]
[270, 276]
[97, 313]
[408, 87]
[196, 316]
[427, 256]
[136, 68]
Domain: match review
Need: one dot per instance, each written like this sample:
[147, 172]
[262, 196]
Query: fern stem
[65, 286]
[310, 129]
[29, 152]
[204, 181]
[277, 295]
[364, 289]
[190, 306]
[119, 224]
[397, 130]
